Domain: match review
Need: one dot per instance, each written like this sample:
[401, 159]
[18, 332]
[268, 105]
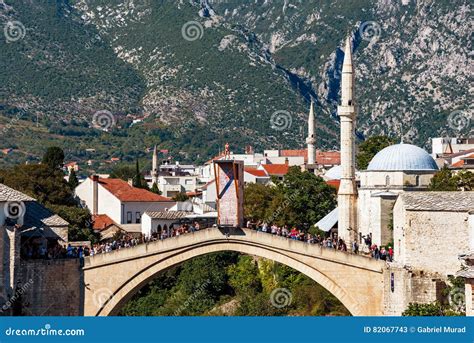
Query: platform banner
[237, 329]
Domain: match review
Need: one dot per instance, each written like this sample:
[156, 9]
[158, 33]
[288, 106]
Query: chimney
[130, 182]
[95, 194]
[287, 161]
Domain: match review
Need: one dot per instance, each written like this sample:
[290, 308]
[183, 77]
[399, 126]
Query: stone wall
[54, 287]
[403, 286]
[422, 237]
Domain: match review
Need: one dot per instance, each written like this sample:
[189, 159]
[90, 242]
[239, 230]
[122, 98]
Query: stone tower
[347, 195]
[311, 140]
[154, 167]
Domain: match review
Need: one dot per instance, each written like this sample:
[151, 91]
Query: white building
[394, 170]
[118, 199]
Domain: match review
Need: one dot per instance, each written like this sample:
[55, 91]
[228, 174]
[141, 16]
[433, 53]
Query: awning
[329, 221]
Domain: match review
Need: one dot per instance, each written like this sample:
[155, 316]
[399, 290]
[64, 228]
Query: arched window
[387, 180]
[350, 103]
[417, 180]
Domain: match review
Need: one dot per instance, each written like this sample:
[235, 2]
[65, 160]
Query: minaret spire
[347, 194]
[154, 167]
[311, 140]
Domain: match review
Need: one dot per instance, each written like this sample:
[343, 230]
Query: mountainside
[194, 74]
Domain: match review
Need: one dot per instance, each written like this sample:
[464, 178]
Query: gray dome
[401, 157]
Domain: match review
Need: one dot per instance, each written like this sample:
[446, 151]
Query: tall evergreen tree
[73, 181]
[53, 157]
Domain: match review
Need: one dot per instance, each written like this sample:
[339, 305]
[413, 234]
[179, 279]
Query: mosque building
[390, 201]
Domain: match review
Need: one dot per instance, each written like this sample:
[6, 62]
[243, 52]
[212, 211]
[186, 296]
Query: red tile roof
[328, 157]
[322, 157]
[276, 169]
[102, 222]
[256, 172]
[462, 162]
[124, 192]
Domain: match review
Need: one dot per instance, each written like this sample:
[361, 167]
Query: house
[182, 212]
[277, 170]
[119, 200]
[39, 227]
[109, 229]
[254, 175]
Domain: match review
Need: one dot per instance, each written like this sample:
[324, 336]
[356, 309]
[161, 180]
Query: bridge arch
[315, 262]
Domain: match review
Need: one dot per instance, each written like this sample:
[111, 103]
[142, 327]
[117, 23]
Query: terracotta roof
[462, 162]
[256, 172]
[322, 157]
[102, 222]
[124, 192]
[276, 169]
[294, 153]
[328, 157]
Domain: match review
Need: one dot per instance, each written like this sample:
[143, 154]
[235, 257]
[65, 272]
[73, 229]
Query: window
[417, 180]
[137, 217]
[129, 217]
[188, 181]
[350, 102]
[387, 180]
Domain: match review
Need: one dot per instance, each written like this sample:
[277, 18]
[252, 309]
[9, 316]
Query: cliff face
[224, 68]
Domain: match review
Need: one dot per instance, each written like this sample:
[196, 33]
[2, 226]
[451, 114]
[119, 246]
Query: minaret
[311, 140]
[154, 167]
[347, 195]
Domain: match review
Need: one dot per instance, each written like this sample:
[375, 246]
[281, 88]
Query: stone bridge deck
[112, 278]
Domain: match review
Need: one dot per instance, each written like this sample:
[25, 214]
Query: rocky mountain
[121, 75]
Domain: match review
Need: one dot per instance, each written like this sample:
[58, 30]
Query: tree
[181, 196]
[137, 180]
[307, 197]
[443, 181]
[446, 180]
[155, 189]
[369, 148]
[73, 181]
[123, 172]
[54, 157]
[257, 200]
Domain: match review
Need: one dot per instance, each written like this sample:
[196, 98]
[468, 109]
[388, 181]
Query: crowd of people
[51, 249]
[331, 241]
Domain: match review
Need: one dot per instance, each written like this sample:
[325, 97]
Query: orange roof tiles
[102, 222]
[125, 192]
[256, 172]
[276, 169]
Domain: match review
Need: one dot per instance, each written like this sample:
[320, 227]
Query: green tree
[53, 157]
[181, 196]
[444, 180]
[123, 172]
[155, 189]
[257, 200]
[308, 197]
[369, 148]
[73, 181]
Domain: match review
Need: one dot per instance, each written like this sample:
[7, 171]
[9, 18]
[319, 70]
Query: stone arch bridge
[112, 279]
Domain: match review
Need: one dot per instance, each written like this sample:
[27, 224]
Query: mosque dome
[401, 157]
